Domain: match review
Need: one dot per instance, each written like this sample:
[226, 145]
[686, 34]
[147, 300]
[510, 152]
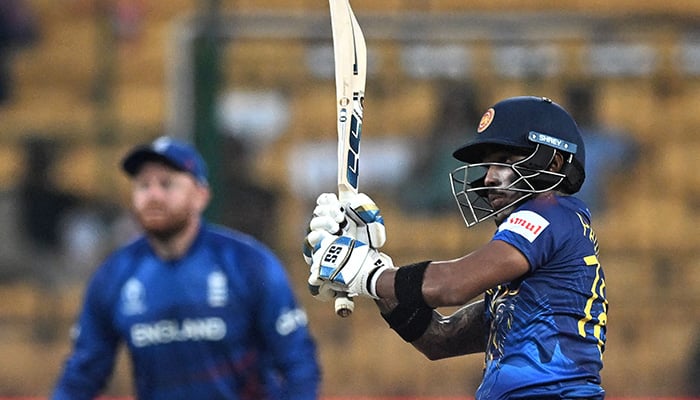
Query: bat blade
[350, 57]
[350, 54]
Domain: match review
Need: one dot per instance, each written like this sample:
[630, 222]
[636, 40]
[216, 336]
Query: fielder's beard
[163, 228]
[166, 234]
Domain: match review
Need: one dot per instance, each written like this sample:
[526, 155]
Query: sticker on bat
[353, 167]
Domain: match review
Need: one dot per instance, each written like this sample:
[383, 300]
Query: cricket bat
[350, 56]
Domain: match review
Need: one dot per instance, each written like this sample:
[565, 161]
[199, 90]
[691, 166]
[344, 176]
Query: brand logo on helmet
[545, 139]
[486, 120]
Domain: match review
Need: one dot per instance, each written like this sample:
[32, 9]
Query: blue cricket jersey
[220, 323]
[547, 332]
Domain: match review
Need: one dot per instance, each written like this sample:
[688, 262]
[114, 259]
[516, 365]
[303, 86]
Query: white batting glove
[359, 217]
[368, 219]
[348, 265]
[328, 215]
[320, 289]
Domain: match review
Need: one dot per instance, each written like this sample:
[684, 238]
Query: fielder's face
[166, 201]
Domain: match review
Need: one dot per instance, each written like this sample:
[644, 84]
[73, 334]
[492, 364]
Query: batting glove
[348, 265]
[359, 217]
[320, 289]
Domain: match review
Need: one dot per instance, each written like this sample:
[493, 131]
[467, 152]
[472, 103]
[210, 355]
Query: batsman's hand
[346, 264]
[320, 289]
[359, 218]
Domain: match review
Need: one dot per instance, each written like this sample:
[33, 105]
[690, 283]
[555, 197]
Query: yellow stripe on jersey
[590, 260]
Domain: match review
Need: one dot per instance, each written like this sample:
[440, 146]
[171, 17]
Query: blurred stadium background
[251, 82]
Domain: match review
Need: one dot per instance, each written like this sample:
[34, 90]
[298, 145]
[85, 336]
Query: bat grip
[344, 305]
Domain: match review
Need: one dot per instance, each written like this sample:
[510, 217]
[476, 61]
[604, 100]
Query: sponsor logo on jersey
[527, 224]
[171, 330]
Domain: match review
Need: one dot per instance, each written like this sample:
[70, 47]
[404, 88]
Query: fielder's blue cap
[521, 123]
[177, 154]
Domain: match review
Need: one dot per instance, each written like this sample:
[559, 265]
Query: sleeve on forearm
[88, 367]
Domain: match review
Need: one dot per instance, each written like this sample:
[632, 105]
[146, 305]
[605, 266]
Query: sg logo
[332, 254]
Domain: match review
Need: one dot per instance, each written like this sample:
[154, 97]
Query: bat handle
[344, 305]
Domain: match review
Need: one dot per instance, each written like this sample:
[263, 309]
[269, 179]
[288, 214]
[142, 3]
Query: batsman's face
[499, 178]
[166, 201]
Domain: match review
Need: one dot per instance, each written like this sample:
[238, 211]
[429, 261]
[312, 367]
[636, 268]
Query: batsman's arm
[463, 332]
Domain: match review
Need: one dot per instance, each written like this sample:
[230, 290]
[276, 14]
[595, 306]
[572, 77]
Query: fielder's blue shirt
[219, 323]
[547, 331]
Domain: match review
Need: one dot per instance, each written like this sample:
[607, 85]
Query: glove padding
[319, 289]
[358, 218]
[346, 264]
